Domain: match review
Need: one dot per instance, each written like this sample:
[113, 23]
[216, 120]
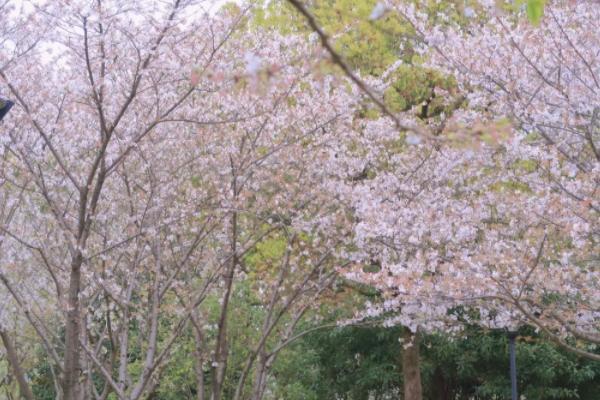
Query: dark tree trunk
[440, 389]
[72, 347]
[411, 370]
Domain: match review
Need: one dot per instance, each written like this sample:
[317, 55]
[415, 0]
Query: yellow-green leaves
[413, 85]
[270, 251]
[527, 166]
[510, 186]
[535, 10]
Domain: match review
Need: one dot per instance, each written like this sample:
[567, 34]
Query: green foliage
[40, 374]
[41, 381]
[527, 166]
[276, 15]
[268, 251]
[476, 366]
[510, 186]
[371, 47]
[297, 369]
[178, 380]
[368, 46]
[535, 10]
[352, 363]
[412, 85]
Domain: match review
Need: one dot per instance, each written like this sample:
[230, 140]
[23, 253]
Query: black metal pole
[5, 106]
[512, 336]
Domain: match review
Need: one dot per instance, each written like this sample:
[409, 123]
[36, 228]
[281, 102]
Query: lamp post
[512, 336]
[5, 106]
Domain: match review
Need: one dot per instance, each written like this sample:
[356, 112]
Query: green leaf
[535, 10]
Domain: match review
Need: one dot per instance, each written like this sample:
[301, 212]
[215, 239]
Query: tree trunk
[13, 359]
[198, 355]
[259, 376]
[221, 354]
[72, 347]
[440, 389]
[411, 366]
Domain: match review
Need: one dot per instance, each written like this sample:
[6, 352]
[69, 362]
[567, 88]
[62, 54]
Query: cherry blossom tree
[508, 222]
[140, 172]
[161, 159]
[260, 171]
[102, 98]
